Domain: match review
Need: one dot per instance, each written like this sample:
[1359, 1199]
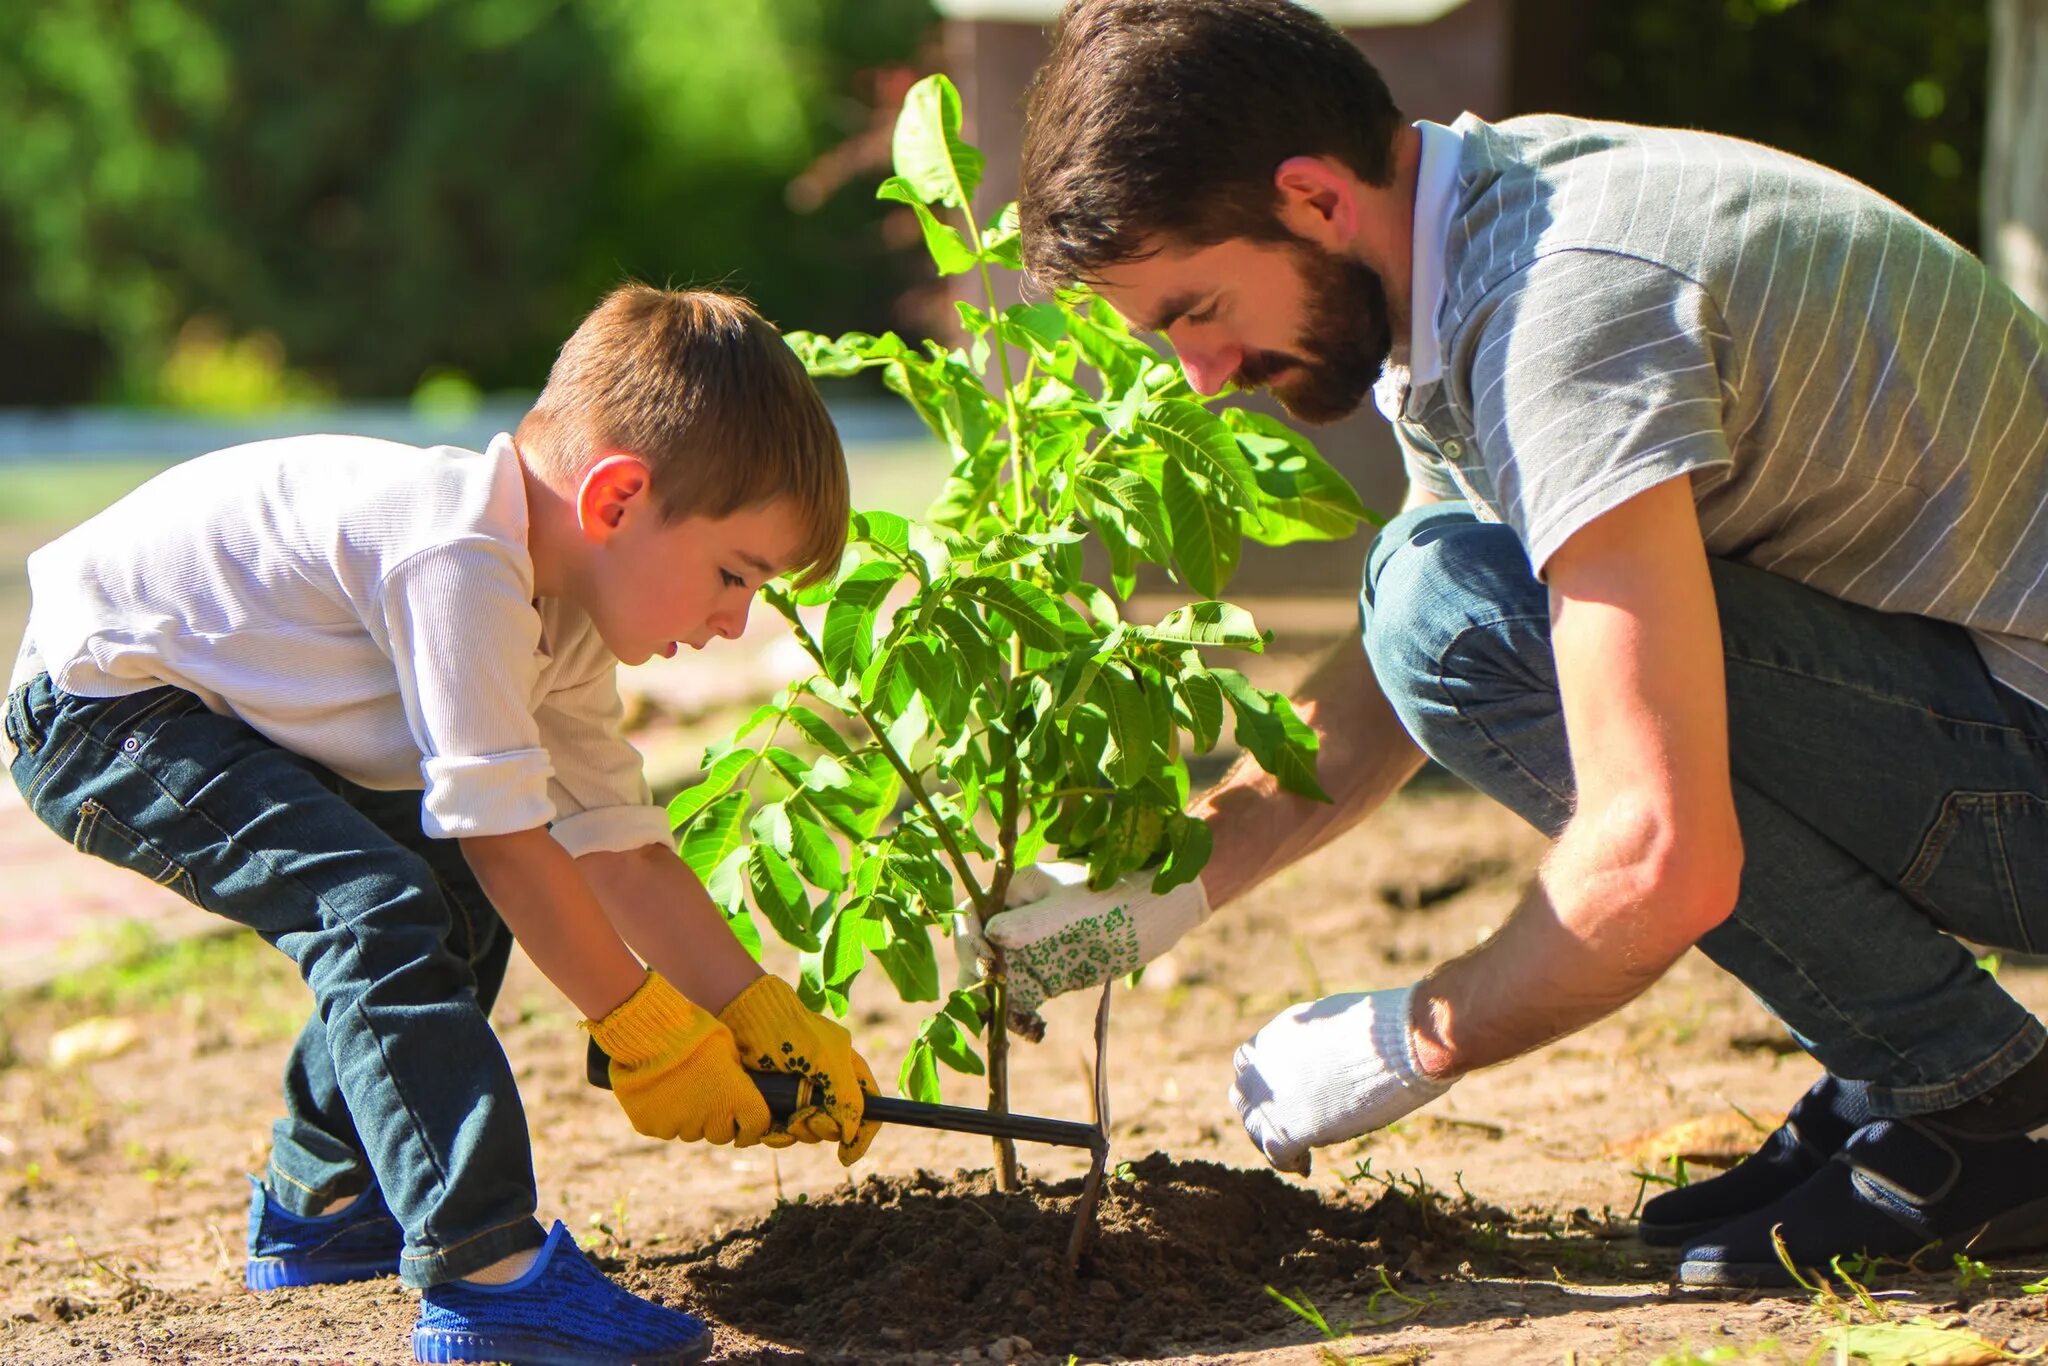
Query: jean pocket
[1983, 867]
[105, 836]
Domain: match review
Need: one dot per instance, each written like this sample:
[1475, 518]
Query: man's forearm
[1364, 755]
[1596, 927]
[656, 903]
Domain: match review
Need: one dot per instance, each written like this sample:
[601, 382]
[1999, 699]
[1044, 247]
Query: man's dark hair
[1167, 118]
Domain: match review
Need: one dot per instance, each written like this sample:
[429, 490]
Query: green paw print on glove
[1087, 953]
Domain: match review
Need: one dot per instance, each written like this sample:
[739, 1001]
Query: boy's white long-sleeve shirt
[368, 605]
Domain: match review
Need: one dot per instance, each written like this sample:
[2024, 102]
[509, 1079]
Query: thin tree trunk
[2016, 151]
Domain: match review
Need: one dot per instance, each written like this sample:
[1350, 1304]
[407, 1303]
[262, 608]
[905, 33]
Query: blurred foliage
[1890, 93]
[388, 188]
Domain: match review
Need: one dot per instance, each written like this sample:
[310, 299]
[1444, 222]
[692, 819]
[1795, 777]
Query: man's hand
[676, 1069]
[1328, 1070]
[777, 1034]
[1061, 937]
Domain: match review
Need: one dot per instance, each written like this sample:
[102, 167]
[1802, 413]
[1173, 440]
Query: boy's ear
[609, 490]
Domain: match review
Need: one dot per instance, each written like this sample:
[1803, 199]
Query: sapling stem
[1091, 1189]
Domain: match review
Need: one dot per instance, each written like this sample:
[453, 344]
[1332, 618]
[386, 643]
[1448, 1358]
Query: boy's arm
[656, 904]
[555, 915]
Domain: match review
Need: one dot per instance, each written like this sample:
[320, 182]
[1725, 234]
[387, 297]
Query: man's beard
[1343, 345]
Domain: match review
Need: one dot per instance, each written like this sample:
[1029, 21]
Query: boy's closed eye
[731, 579]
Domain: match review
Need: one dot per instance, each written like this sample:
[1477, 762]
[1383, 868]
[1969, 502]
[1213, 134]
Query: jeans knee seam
[1471, 718]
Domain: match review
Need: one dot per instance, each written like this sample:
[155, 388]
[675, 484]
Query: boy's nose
[731, 622]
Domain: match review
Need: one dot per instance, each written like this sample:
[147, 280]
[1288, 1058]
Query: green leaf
[1202, 702]
[1916, 1342]
[928, 151]
[1186, 856]
[1029, 610]
[819, 731]
[1206, 541]
[743, 928]
[779, 895]
[1300, 497]
[770, 826]
[716, 783]
[949, 250]
[1127, 500]
[718, 829]
[911, 965]
[1038, 328]
[1267, 726]
[919, 1079]
[1001, 243]
[849, 639]
[1130, 724]
[815, 852]
[854, 932]
[951, 1046]
[888, 530]
[1209, 623]
[1196, 440]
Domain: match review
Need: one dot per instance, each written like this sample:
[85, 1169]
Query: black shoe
[1899, 1187]
[1819, 1124]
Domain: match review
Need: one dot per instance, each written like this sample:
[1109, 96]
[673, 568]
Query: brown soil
[950, 1264]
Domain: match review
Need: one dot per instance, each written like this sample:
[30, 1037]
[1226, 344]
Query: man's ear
[1318, 200]
[609, 490]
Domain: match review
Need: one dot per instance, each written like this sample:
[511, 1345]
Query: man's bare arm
[1652, 857]
[1363, 757]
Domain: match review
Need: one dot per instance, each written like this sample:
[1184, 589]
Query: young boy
[360, 697]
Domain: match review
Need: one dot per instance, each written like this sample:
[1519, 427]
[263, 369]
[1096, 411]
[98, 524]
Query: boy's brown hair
[1165, 119]
[702, 388]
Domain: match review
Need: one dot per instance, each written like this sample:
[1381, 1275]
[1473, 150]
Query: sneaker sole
[437, 1346]
[2020, 1230]
[278, 1273]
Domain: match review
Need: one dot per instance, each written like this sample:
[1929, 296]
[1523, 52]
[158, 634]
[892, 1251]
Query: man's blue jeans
[1892, 795]
[398, 1071]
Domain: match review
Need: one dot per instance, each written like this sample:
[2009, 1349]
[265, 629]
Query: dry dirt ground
[1492, 1227]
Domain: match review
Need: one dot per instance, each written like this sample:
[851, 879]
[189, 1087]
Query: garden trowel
[785, 1094]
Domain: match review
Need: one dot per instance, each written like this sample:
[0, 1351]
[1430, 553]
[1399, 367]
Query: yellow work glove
[777, 1034]
[677, 1071]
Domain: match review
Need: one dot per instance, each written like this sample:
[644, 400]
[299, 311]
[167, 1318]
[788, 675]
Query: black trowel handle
[783, 1092]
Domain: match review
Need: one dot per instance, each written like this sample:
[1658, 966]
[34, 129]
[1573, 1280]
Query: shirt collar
[1436, 192]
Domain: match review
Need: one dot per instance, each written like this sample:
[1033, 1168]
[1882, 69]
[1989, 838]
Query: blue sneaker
[1898, 1188]
[359, 1243]
[562, 1312]
[1819, 1124]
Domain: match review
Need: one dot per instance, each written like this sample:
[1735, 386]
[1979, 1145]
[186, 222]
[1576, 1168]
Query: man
[1724, 563]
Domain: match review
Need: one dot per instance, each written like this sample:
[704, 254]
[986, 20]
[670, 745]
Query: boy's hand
[777, 1034]
[1058, 936]
[677, 1071]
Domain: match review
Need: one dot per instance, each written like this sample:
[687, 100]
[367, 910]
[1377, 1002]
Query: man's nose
[1208, 368]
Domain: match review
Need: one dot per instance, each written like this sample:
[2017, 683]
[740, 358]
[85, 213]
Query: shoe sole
[2020, 1230]
[279, 1273]
[439, 1346]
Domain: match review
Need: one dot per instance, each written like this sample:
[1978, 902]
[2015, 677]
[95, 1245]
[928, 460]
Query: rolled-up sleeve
[599, 788]
[458, 622]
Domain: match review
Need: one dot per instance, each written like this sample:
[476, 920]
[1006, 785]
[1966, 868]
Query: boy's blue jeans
[1892, 795]
[398, 1072]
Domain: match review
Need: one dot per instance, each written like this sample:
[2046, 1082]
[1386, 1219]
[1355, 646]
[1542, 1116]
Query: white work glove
[1061, 937]
[1324, 1071]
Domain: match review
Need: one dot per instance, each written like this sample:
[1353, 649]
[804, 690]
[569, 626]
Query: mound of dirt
[1181, 1261]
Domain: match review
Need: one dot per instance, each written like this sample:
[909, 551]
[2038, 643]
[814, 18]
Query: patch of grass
[61, 493]
[141, 972]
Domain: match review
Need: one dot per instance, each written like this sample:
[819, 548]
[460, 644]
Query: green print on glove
[1087, 953]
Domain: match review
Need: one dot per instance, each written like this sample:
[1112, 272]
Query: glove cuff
[648, 1022]
[1394, 1042]
[768, 1008]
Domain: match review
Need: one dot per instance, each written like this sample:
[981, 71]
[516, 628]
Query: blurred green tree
[396, 187]
[1890, 93]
